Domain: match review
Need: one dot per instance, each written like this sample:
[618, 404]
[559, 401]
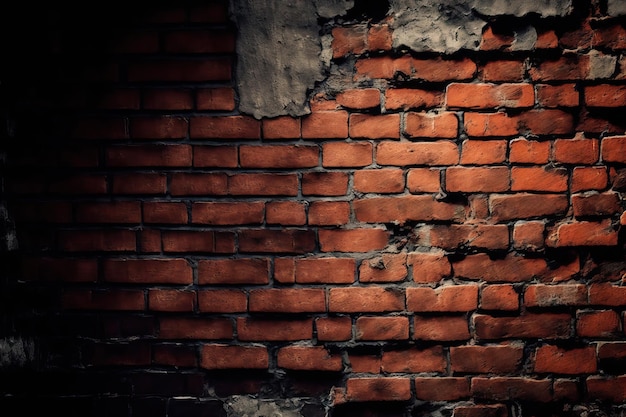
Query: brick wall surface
[443, 236]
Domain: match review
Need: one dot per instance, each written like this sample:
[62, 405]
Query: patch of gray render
[616, 8]
[279, 53]
[244, 406]
[451, 25]
[281, 56]
[16, 352]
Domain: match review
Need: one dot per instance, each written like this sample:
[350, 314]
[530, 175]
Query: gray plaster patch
[601, 66]
[243, 406]
[282, 56]
[616, 8]
[16, 352]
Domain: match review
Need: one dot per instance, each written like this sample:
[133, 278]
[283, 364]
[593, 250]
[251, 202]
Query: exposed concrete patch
[282, 56]
[616, 8]
[243, 406]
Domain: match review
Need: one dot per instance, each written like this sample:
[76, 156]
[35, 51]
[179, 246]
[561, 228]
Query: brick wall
[441, 236]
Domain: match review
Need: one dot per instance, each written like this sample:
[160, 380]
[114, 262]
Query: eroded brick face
[442, 234]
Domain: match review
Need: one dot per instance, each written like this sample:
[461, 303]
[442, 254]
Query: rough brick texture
[441, 235]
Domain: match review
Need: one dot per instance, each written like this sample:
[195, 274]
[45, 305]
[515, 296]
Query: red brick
[224, 127]
[197, 183]
[120, 99]
[423, 180]
[442, 388]
[324, 183]
[218, 356]
[98, 240]
[365, 98]
[308, 358]
[108, 300]
[555, 360]
[181, 70]
[495, 41]
[512, 388]
[441, 328]
[171, 300]
[512, 268]
[607, 389]
[325, 125]
[343, 154]
[502, 71]
[605, 95]
[606, 295]
[610, 37]
[414, 360]
[490, 124]
[222, 301]
[489, 96]
[325, 270]
[526, 326]
[526, 206]
[228, 213]
[481, 410]
[289, 300]
[588, 178]
[382, 181]
[277, 241]
[478, 236]
[42, 268]
[100, 128]
[405, 208]
[278, 157]
[384, 268]
[355, 240]
[438, 70]
[215, 156]
[192, 328]
[456, 298]
[333, 329]
[139, 183]
[605, 204]
[378, 389]
[497, 359]
[147, 271]
[551, 96]
[612, 350]
[167, 99]
[216, 41]
[365, 363]
[329, 213]
[576, 151]
[365, 299]
[367, 126]
[499, 297]
[614, 149]
[379, 38]
[175, 355]
[233, 271]
[582, 233]
[541, 295]
[409, 98]
[164, 212]
[382, 67]
[285, 213]
[163, 127]
[480, 152]
[547, 40]
[432, 125]
[283, 127]
[266, 184]
[528, 235]
[382, 328]
[109, 212]
[526, 151]
[594, 324]
[148, 156]
[429, 267]
[417, 153]
[221, 98]
[135, 353]
[477, 179]
[250, 329]
[349, 40]
[181, 241]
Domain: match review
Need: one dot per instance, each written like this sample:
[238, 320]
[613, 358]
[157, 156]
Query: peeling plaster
[282, 56]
